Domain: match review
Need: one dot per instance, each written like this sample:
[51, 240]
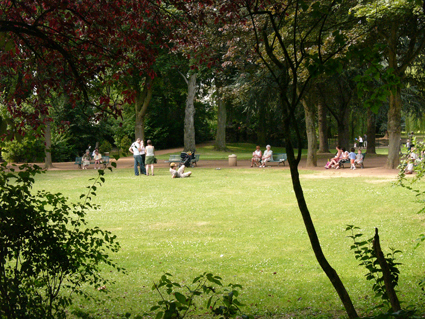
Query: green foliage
[62, 149]
[364, 253]
[105, 147]
[223, 301]
[29, 149]
[124, 145]
[46, 247]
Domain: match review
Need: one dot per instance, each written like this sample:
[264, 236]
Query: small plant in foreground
[223, 301]
[46, 247]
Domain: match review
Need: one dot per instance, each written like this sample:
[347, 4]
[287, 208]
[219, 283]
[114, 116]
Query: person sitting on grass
[256, 157]
[97, 159]
[359, 157]
[178, 173]
[86, 159]
[352, 157]
[267, 156]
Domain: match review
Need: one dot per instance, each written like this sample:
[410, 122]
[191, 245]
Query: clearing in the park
[244, 225]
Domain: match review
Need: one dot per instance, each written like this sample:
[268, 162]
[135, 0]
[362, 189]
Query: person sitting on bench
[179, 173]
[267, 156]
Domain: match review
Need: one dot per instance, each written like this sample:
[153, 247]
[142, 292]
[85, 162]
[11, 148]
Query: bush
[105, 147]
[29, 149]
[46, 245]
[62, 151]
[124, 145]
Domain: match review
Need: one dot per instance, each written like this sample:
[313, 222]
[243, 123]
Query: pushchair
[186, 159]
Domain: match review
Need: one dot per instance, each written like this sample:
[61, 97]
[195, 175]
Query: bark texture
[48, 146]
[371, 132]
[189, 116]
[394, 129]
[220, 137]
[311, 231]
[142, 100]
[310, 127]
[323, 127]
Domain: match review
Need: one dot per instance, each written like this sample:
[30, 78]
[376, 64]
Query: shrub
[125, 144]
[29, 149]
[105, 147]
[45, 245]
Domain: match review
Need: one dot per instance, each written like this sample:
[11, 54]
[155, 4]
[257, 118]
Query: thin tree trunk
[311, 231]
[48, 146]
[220, 137]
[371, 132]
[261, 134]
[311, 134]
[142, 100]
[189, 119]
[323, 127]
[343, 128]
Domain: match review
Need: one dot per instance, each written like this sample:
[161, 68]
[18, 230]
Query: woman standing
[150, 157]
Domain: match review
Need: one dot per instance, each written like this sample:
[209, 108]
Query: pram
[186, 159]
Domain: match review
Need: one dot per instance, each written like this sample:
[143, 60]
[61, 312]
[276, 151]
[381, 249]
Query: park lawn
[244, 225]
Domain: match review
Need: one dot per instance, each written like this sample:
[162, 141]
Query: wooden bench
[79, 161]
[279, 158]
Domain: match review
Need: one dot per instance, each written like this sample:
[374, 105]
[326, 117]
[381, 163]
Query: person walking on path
[136, 150]
[150, 157]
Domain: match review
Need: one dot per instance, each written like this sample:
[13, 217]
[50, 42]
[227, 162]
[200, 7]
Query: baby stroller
[186, 159]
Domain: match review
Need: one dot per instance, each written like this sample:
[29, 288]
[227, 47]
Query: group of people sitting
[343, 155]
[95, 156]
[260, 159]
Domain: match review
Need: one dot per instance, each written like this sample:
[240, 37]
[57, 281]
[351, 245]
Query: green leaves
[46, 246]
[221, 302]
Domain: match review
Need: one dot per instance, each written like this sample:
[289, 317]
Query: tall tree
[189, 114]
[400, 26]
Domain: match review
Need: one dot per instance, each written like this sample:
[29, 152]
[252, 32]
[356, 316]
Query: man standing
[136, 150]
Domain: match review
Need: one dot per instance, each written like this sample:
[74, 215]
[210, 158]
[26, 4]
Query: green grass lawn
[244, 225]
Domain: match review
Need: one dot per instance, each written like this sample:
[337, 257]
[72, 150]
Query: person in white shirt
[256, 157]
[97, 159]
[267, 156]
[136, 149]
[178, 173]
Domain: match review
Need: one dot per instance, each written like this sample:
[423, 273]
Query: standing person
[365, 140]
[136, 149]
[86, 159]
[360, 141]
[352, 157]
[178, 173]
[150, 157]
[97, 158]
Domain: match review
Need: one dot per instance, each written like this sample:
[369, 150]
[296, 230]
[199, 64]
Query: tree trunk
[343, 128]
[261, 134]
[142, 100]
[189, 120]
[323, 128]
[220, 137]
[394, 128]
[48, 146]
[308, 222]
[311, 134]
[371, 132]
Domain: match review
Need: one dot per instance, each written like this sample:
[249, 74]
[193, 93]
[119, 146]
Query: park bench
[342, 162]
[79, 161]
[279, 158]
[178, 159]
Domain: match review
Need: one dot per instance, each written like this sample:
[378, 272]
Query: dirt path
[374, 166]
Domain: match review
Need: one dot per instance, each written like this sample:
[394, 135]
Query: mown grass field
[244, 225]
